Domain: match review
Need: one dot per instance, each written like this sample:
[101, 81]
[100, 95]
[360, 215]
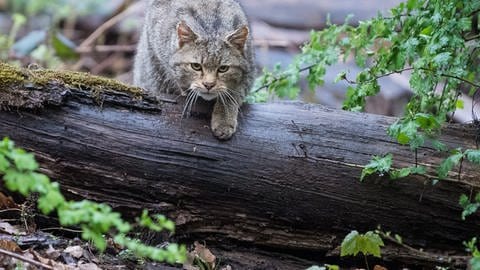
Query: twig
[472, 37]
[10, 210]
[106, 48]
[281, 78]
[25, 259]
[418, 251]
[376, 77]
[103, 28]
[61, 229]
[366, 261]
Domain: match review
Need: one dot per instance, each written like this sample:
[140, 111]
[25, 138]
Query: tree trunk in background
[287, 183]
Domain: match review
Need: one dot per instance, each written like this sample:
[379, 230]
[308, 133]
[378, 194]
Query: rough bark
[286, 182]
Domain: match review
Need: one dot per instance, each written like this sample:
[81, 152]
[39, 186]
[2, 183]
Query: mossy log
[286, 183]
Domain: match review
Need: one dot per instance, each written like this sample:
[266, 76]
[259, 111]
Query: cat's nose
[209, 85]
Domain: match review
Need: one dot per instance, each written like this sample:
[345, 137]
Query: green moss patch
[11, 76]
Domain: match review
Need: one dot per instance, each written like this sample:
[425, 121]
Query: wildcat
[198, 48]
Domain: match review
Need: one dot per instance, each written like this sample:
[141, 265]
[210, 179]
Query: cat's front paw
[223, 131]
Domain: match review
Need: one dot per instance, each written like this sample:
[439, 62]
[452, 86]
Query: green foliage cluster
[55, 9]
[369, 243]
[437, 41]
[20, 174]
[473, 248]
[48, 46]
[468, 206]
[383, 165]
[431, 38]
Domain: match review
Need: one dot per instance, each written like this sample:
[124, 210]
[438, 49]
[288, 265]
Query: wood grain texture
[288, 179]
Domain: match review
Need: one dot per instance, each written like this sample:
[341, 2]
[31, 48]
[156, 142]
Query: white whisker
[224, 98]
[194, 100]
[188, 100]
[231, 98]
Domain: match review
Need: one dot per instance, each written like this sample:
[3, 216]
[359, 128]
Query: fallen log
[286, 182]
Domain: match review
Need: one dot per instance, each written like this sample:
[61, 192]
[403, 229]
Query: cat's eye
[223, 69]
[196, 66]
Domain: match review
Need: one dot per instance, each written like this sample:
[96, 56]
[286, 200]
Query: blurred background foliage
[49, 33]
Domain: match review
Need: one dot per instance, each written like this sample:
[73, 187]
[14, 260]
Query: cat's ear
[239, 37]
[185, 34]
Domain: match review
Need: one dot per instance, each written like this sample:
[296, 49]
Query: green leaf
[448, 164]
[368, 244]
[427, 31]
[411, 4]
[442, 59]
[398, 238]
[439, 146]
[96, 237]
[349, 244]
[404, 172]
[50, 201]
[379, 165]
[23, 161]
[401, 173]
[316, 267]
[64, 48]
[460, 104]
[4, 164]
[373, 242]
[473, 156]
[427, 121]
[475, 263]
[469, 208]
[161, 222]
[340, 76]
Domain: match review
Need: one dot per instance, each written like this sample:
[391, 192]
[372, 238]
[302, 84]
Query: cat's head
[211, 66]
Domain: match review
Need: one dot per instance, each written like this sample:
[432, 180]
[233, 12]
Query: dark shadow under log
[287, 182]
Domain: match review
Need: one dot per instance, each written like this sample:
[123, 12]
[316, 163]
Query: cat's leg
[224, 119]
